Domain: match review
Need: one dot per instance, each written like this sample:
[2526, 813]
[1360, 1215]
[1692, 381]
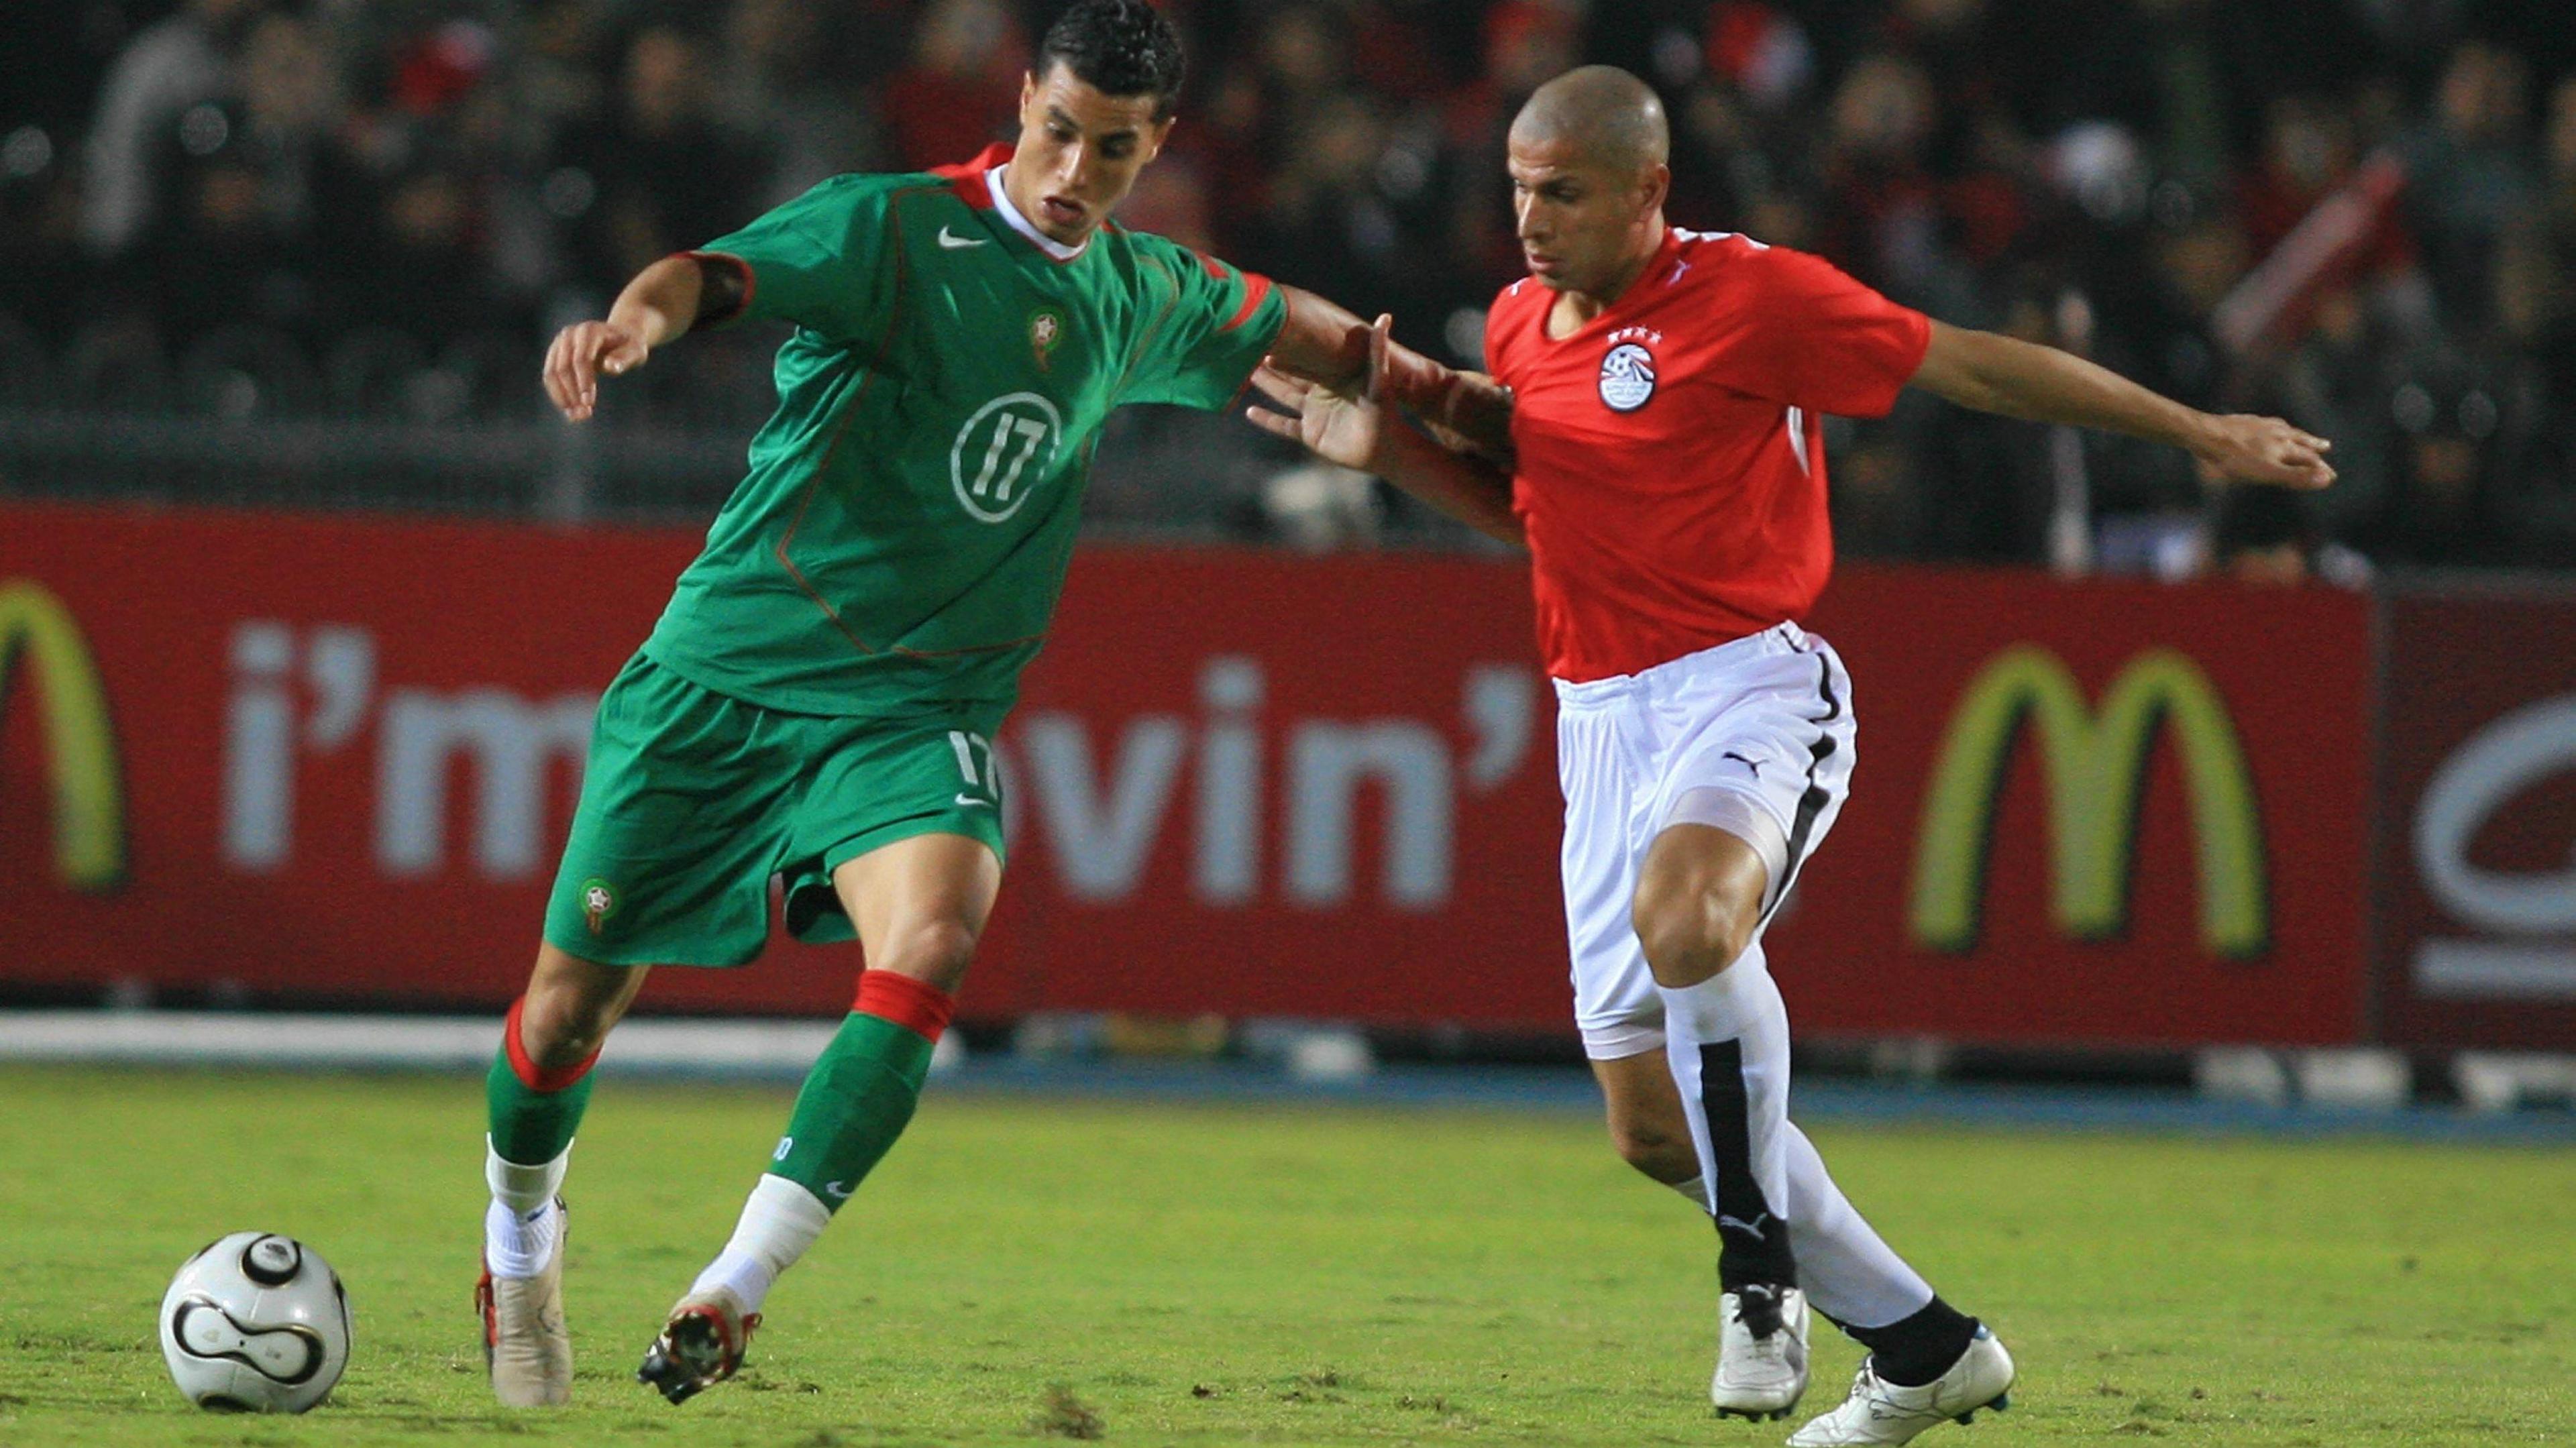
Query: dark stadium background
[280, 212]
[274, 278]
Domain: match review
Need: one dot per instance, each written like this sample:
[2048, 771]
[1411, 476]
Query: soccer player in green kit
[817, 702]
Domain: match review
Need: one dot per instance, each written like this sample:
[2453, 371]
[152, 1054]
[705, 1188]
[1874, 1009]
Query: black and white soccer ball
[255, 1323]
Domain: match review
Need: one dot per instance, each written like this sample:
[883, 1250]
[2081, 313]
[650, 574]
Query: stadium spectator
[2310, 150]
[2470, 174]
[2450, 502]
[182, 62]
[663, 171]
[1525, 42]
[955, 96]
[2536, 318]
[784, 78]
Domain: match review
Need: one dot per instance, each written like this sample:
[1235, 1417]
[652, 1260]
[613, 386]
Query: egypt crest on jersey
[1668, 470]
[1627, 377]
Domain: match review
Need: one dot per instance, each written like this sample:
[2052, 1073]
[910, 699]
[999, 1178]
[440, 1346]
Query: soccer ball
[255, 1323]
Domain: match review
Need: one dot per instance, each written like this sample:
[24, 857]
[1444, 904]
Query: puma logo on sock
[1741, 1225]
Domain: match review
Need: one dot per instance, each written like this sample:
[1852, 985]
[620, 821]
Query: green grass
[1274, 1275]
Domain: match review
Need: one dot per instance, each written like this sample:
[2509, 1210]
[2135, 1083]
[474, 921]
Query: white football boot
[525, 1343]
[1881, 1412]
[1761, 1355]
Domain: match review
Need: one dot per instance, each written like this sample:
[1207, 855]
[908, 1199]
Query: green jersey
[900, 540]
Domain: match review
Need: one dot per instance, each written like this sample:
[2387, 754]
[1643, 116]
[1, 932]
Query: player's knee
[935, 951]
[560, 1028]
[1690, 935]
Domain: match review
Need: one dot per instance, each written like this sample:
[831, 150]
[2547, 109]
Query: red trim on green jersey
[1256, 287]
[916, 1005]
[524, 1066]
[1256, 290]
[966, 178]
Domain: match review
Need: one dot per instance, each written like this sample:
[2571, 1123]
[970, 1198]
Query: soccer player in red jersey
[1665, 467]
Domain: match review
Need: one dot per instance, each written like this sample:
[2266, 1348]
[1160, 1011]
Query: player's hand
[2254, 449]
[1339, 427]
[580, 353]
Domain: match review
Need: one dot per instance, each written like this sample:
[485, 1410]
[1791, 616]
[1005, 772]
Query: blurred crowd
[2358, 213]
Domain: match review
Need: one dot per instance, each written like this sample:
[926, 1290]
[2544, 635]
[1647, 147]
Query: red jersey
[1671, 470]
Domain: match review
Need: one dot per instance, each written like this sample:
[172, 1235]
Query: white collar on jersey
[1012, 218]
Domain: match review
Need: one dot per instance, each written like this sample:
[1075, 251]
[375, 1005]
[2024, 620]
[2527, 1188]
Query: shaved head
[1589, 176]
[1601, 114]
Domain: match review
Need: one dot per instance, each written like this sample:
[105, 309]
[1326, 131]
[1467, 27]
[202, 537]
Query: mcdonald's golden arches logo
[2096, 764]
[89, 796]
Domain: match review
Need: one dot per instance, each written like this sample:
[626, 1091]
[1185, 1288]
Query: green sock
[533, 1113]
[856, 1101]
[531, 1127]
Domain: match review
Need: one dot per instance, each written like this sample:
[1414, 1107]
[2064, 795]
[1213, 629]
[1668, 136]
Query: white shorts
[1767, 717]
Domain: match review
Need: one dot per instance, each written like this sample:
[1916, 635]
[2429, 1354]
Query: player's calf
[1670, 1160]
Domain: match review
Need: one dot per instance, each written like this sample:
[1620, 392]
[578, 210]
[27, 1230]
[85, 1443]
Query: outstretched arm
[1353, 427]
[1321, 342]
[1999, 374]
[664, 301]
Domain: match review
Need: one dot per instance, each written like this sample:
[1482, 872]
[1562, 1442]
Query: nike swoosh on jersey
[972, 800]
[959, 243]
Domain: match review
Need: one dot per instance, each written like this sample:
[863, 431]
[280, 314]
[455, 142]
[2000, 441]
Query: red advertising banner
[2108, 811]
[335, 757]
[2477, 867]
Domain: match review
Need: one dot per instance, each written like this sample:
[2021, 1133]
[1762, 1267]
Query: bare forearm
[2017, 379]
[1320, 340]
[1469, 489]
[1323, 342]
[1999, 374]
[662, 303]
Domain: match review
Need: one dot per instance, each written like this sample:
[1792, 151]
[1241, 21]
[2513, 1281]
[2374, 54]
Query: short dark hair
[1123, 47]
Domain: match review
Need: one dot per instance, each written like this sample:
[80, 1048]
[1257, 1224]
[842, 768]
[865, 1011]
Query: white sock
[778, 1223]
[522, 1226]
[523, 1189]
[1743, 1163]
[1850, 1273]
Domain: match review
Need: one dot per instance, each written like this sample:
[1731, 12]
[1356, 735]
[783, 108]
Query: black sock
[1758, 1305]
[1912, 1351]
[1753, 1245]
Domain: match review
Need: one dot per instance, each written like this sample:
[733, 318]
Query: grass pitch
[1024, 1271]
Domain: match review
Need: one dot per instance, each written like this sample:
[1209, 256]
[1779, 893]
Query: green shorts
[693, 801]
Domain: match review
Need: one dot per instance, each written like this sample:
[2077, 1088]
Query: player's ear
[1028, 93]
[1659, 185]
[1156, 134]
